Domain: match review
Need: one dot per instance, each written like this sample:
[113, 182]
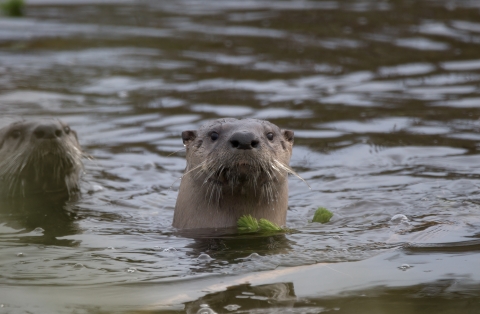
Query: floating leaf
[322, 215]
[267, 225]
[247, 223]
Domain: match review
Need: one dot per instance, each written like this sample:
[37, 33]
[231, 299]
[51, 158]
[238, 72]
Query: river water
[384, 100]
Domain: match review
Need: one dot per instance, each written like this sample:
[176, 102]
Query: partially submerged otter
[37, 157]
[234, 168]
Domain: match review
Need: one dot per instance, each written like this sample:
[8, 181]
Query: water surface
[382, 95]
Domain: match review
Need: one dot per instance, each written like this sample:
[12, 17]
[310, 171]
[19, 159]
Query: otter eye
[15, 134]
[66, 129]
[214, 136]
[270, 136]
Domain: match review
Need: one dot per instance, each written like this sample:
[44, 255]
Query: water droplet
[205, 309]
[20, 255]
[131, 270]
[254, 256]
[38, 230]
[204, 257]
[111, 248]
[123, 94]
[171, 249]
[404, 267]
[78, 266]
[96, 188]
[398, 219]
[232, 307]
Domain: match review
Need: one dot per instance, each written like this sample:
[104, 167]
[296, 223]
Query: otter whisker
[207, 194]
[213, 192]
[271, 198]
[290, 170]
[176, 152]
[209, 168]
[195, 168]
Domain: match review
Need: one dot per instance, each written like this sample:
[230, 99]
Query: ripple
[276, 113]
[375, 125]
[471, 102]
[317, 134]
[229, 111]
[464, 65]
[421, 43]
[407, 69]
[114, 85]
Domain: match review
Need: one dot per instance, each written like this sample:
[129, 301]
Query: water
[384, 101]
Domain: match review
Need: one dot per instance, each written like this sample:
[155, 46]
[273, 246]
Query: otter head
[39, 156]
[236, 164]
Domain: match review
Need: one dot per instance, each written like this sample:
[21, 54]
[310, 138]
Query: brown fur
[37, 157]
[224, 180]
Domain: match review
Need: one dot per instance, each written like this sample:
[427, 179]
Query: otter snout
[244, 140]
[47, 131]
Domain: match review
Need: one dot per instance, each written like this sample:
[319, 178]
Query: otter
[234, 168]
[37, 157]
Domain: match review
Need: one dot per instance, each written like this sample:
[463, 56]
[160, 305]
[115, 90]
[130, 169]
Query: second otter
[234, 168]
[37, 157]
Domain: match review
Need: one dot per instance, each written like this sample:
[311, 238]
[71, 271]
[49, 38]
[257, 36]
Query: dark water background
[384, 100]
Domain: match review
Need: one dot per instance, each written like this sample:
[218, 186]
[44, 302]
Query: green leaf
[322, 215]
[247, 223]
[267, 225]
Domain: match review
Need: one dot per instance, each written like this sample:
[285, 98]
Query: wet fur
[222, 183]
[31, 166]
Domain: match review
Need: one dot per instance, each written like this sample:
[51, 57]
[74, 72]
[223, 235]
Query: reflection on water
[44, 218]
[383, 98]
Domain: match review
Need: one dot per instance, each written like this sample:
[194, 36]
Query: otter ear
[188, 136]
[288, 135]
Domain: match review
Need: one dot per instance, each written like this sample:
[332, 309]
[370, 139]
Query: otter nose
[243, 140]
[47, 131]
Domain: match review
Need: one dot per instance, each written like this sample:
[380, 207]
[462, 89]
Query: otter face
[38, 156]
[238, 155]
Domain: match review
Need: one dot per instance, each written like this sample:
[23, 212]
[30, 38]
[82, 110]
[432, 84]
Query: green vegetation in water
[247, 223]
[322, 215]
[267, 225]
[12, 7]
